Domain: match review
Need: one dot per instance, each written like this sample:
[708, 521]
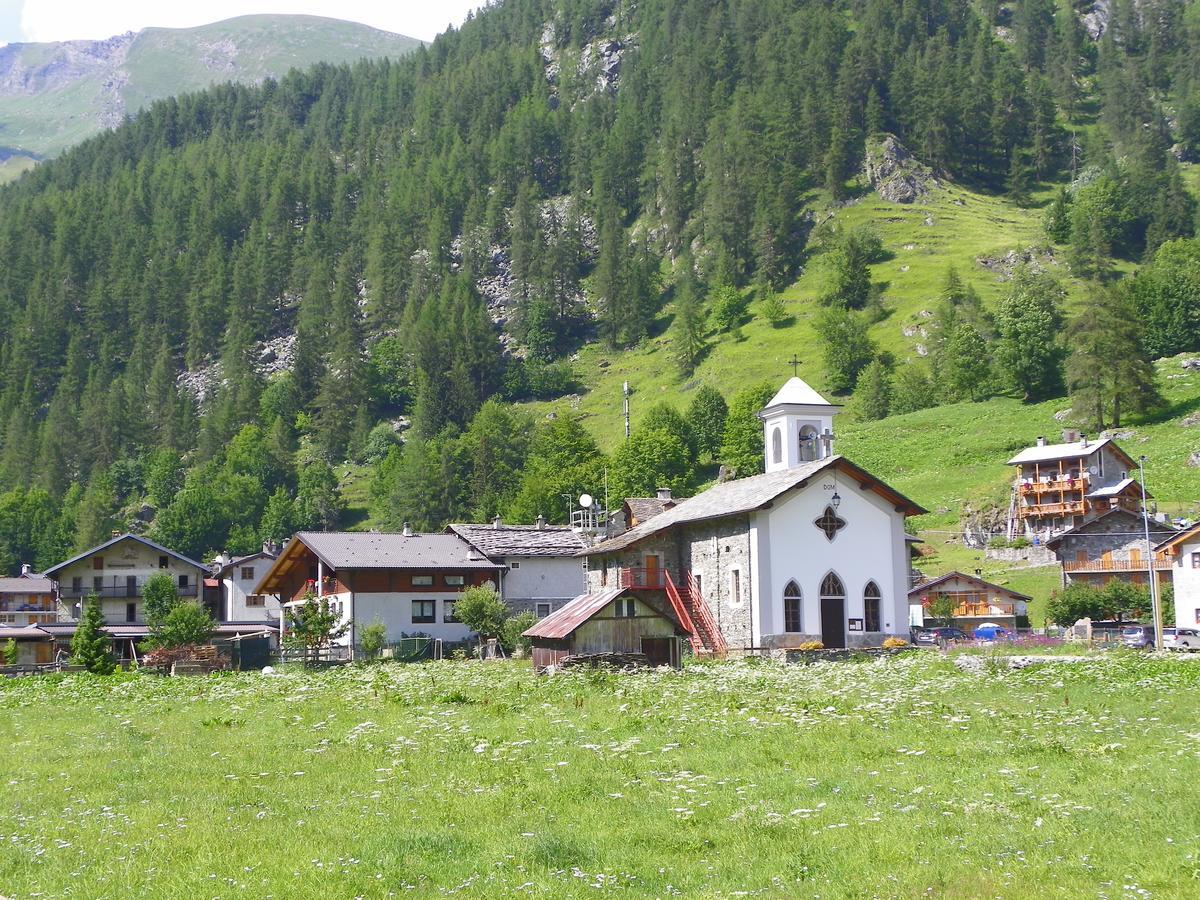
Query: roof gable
[119, 539]
[942, 579]
[797, 392]
[566, 620]
[1183, 537]
[745, 495]
[1092, 526]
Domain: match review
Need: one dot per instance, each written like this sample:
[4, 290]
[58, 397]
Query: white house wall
[238, 589]
[1187, 586]
[394, 610]
[542, 578]
[870, 548]
[127, 558]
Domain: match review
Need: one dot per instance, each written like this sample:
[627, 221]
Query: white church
[814, 549]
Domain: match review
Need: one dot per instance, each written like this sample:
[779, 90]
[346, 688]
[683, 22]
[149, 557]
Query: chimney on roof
[26, 570]
[1083, 441]
[407, 530]
[664, 493]
[1070, 435]
[1041, 441]
[497, 521]
[115, 533]
[541, 522]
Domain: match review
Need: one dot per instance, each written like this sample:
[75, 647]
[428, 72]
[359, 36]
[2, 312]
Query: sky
[62, 20]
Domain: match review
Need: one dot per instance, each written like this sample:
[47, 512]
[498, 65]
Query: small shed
[613, 620]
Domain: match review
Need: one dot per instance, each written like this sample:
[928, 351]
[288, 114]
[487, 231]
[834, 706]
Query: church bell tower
[797, 426]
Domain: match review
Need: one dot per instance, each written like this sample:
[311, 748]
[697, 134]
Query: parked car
[1138, 637]
[990, 632]
[1181, 639]
[937, 636]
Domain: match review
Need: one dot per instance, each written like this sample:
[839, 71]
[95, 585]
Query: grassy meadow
[899, 777]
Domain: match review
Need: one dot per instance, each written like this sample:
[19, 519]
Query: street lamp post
[1154, 606]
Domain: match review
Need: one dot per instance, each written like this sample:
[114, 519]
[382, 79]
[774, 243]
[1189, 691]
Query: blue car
[992, 633]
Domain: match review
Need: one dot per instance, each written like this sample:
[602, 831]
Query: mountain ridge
[55, 94]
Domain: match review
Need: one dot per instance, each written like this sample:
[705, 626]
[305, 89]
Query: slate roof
[920, 588]
[1136, 526]
[1182, 537]
[1055, 452]
[796, 391]
[33, 585]
[376, 550]
[23, 633]
[520, 540]
[744, 495]
[125, 537]
[645, 508]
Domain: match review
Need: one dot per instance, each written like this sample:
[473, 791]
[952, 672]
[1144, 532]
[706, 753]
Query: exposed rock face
[981, 525]
[1095, 20]
[1036, 259]
[895, 174]
[599, 59]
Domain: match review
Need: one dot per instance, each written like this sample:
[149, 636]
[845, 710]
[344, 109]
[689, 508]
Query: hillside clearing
[895, 777]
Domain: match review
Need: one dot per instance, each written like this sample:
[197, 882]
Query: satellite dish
[585, 500]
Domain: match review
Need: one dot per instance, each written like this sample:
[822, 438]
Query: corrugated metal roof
[36, 585]
[23, 633]
[375, 550]
[520, 540]
[563, 621]
[125, 537]
[1112, 490]
[745, 495]
[1054, 452]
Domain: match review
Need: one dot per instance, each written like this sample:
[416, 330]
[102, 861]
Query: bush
[894, 643]
[773, 309]
[510, 635]
[11, 652]
[380, 440]
[812, 645]
[187, 624]
[1020, 543]
[373, 638]
[998, 542]
[481, 610]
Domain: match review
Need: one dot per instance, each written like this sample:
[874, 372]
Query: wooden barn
[613, 620]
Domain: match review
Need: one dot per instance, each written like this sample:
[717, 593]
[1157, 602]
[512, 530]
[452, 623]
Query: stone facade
[716, 553]
[1113, 546]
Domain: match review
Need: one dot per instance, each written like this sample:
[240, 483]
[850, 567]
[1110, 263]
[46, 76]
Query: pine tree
[1109, 372]
[91, 646]
[687, 331]
[873, 395]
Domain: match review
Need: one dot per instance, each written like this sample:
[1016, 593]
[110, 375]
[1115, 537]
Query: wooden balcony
[1042, 510]
[993, 608]
[117, 591]
[1056, 485]
[1115, 565]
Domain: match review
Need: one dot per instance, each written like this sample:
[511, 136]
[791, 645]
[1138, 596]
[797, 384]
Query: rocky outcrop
[1035, 259]
[895, 174]
[1095, 20]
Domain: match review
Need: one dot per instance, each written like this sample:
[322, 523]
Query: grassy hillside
[949, 457]
[58, 94]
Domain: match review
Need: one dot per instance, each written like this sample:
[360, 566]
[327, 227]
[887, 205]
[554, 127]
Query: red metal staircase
[695, 616]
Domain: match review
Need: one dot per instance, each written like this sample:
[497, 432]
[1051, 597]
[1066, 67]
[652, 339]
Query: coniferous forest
[205, 310]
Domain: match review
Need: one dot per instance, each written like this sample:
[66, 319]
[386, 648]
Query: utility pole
[625, 391]
[1154, 605]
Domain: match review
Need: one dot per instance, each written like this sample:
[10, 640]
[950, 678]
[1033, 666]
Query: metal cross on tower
[794, 362]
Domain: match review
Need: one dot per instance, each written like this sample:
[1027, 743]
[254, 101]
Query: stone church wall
[713, 551]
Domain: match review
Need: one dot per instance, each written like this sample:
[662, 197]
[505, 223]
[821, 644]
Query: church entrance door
[833, 622]
[833, 612]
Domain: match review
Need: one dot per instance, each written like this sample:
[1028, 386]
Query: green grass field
[901, 777]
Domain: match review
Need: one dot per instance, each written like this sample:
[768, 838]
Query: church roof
[745, 495]
[797, 392]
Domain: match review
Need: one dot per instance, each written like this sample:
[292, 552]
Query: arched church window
[872, 605]
[776, 446]
[808, 444]
[792, 603]
[832, 587]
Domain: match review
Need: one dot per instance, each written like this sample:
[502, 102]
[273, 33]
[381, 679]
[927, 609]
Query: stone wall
[713, 551]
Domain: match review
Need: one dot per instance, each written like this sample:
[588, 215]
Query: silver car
[1138, 637]
[1181, 639]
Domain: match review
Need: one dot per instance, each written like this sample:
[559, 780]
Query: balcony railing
[1052, 509]
[1057, 484]
[655, 578]
[1115, 565]
[117, 591]
[995, 608]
